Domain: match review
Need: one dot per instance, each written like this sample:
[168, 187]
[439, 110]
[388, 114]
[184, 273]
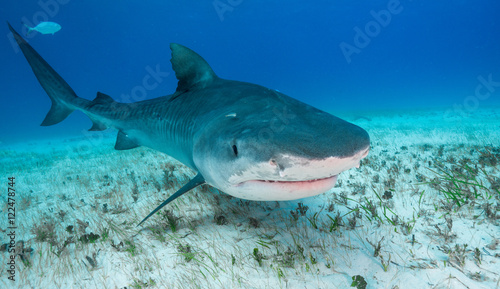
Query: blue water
[335, 55]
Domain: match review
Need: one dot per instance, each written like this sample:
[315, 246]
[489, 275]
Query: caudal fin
[64, 100]
[27, 26]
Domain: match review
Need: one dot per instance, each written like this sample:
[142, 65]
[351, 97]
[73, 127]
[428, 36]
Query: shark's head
[269, 146]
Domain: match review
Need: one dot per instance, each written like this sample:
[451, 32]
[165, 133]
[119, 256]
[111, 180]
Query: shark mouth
[292, 183]
[284, 190]
[298, 178]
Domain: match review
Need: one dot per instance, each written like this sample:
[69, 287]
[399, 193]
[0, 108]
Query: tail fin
[29, 28]
[62, 96]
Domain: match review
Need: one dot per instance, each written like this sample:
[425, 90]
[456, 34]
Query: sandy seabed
[423, 211]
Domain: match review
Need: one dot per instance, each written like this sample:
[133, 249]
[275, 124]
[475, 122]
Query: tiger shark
[246, 140]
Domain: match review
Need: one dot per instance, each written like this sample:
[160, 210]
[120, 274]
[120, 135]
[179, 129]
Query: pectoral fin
[123, 142]
[193, 183]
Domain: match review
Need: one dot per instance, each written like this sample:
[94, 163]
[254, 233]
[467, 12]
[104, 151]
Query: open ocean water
[422, 77]
[335, 55]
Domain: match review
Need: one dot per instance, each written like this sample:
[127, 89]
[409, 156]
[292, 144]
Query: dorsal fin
[102, 98]
[191, 70]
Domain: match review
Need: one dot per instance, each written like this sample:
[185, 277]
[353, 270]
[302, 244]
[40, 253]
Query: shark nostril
[279, 169]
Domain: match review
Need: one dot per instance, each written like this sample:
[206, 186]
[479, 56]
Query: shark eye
[235, 150]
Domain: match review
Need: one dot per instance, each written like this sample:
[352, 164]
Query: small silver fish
[44, 28]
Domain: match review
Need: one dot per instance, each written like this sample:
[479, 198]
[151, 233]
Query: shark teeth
[298, 181]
